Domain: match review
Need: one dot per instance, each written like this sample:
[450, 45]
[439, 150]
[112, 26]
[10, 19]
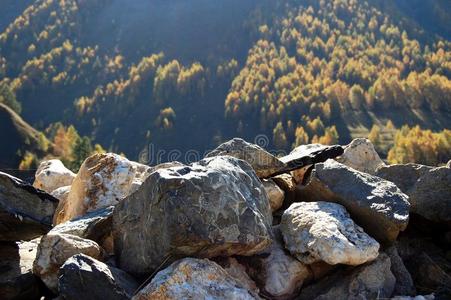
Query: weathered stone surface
[404, 283]
[428, 188]
[95, 225]
[191, 278]
[322, 231]
[211, 208]
[404, 176]
[419, 297]
[25, 212]
[279, 275]
[103, 180]
[431, 195]
[83, 277]
[52, 174]
[370, 281]
[16, 279]
[54, 250]
[376, 204]
[60, 194]
[238, 272]
[275, 194]
[264, 163]
[304, 156]
[361, 155]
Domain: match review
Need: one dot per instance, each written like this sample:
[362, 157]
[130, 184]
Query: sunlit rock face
[103, 180]
[51, 175]
[377, 205]
[361, 155]
[192, 278]
[54, 249]
[214, 207]
[322, 231]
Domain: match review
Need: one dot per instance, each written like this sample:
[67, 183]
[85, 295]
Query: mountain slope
[17, 137]
[187, 75]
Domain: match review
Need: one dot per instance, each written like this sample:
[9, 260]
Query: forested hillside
[190, 74]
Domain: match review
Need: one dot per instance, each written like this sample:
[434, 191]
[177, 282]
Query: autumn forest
[84, 76]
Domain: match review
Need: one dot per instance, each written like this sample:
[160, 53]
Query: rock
[83, 277]
[322, 231]
[431, 195]
[264, 163]
[16, 279]
[103, 180]
[192, 278]
[361, 155]
[428, 275]
[304, 156]
[215, 207]
[419, 297]
[404, 283]
[275, 194]
[370, 281]
[288, 184]
[404, 176]
[428, 188]
[95, 225]
[279, 275]
[52, 174]
[60, 194]
[25, 212]
[54, 250]
[376, 204]
[237, 272]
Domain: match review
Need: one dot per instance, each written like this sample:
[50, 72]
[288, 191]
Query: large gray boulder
[83, 277]
[192, 278]
[16, 278]
[214, 207]
[323, 231]
[431, 195]
[377, 205]
[404, 176]
[428, 188]
[264, 163]
[25, 212]
[370, 281]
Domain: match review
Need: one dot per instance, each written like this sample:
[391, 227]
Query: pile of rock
[324, 222]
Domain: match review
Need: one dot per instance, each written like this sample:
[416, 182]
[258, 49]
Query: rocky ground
[324, 222]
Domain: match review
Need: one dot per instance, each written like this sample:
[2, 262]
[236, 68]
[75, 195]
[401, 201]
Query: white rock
[103, 180]
[54, 250]
[192, 278]
[323, 231]
[275, 194]
[361, 155]
[52, 174]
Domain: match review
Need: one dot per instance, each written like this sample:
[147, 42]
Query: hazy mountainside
[17, 137]
[189, 74]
